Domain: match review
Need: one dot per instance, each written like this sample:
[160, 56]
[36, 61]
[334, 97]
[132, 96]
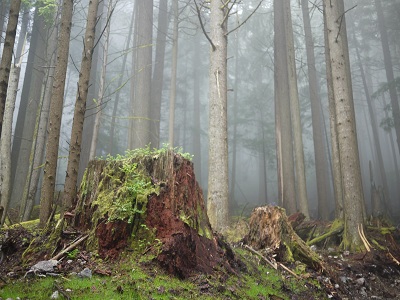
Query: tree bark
[140, 132]
[39, 146]
[100, 96]
[321, 166]
[174, 69]
[283, 127]
[158, 74]
[56, 107]
[30, 99]
[217, 198]
[345, 124]
[197, 161]
[301, 185]
[6, 58]
[5, 142]
[80, 108]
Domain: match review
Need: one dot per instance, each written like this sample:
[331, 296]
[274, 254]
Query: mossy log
[270, 230]
[151, 203]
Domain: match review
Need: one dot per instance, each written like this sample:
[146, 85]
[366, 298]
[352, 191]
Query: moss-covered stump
[270, 230]
[149, 202]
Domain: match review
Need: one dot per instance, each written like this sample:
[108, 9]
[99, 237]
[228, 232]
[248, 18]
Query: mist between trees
[291, 103]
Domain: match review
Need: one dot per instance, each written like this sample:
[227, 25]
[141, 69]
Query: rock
[363, 292]
[360, 281]
[55, 295]
[85, 273]
[44, 266]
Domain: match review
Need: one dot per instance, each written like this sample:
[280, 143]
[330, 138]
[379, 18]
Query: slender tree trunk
[30, 99]
[174, 67]
[389, 70]
[283, 127]
[196, 110]
[218, 190]
[336, 165]
[102, 80]
[6, 58]
[321, 166]
[3, 15]
[140, 135]
[376, 141]
[56, 107]
[158, 74]
[39, 146]
[80, 108]
[112, 142]
[5, 142]
[235, 115]
[91, 102]
[345, 124]
[301, 185]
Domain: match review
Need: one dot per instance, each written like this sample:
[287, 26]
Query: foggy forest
[199, 149]
[288, 103]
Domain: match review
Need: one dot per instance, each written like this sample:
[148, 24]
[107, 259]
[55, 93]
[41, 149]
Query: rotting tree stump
[172, 219]
[271, 230]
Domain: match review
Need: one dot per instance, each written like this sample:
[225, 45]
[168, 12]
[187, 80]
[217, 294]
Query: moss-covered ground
[138, 278]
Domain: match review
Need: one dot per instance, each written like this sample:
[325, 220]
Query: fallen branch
[274, 265]
[325, 236]
[70, 247]
[61, 291]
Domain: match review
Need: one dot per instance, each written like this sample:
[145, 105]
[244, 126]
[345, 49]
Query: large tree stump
[270, 230]
[171, 217]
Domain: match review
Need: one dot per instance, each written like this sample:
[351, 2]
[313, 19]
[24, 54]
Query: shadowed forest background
[259, 125]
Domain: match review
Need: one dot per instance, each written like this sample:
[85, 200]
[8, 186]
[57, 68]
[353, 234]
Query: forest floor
[367, 275]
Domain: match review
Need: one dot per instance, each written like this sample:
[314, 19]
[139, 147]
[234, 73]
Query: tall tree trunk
[39, 146]
[389, 70]
[158, 73]
[235, 116]
[321, 165]
[90, 116]
[140, 135]
[30, 99]
[218, 190]
[174, 67]
[80, 108]
[6, 58]
[56, 107]
[100, 96]
[196, 109]
[5, 142]
[376, 141]
[353, 198]
[301, 185]
[112, 141]
[283, 127]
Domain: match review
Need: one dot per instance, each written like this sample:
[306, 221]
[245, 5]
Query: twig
[61, 291]
[248, 17]
[262, 256]
[70, 247]
[288, 270]
[202, 26]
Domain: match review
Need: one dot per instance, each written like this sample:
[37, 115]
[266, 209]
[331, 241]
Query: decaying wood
[270, 228]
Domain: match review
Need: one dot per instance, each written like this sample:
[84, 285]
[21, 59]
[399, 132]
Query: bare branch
[248, 17]
[202, 26]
